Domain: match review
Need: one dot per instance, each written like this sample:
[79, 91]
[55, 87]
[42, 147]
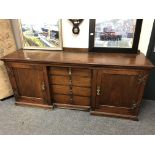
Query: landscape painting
[41, 34]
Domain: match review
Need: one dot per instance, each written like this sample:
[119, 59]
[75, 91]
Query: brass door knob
[98, 90]
[43, 86]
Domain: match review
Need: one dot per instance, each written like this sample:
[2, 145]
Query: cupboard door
[119, 91]
[29, 86]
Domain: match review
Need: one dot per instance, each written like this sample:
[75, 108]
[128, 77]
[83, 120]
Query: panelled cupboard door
[29, 84]
[119, 91]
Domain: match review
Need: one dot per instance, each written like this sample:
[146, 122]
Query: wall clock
[76, 23]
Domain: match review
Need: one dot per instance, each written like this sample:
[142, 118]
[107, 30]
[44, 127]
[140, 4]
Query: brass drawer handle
[43, 86]
[71, 91]
[70, 82]
[70, 71]
[71, 99]
[98, 90]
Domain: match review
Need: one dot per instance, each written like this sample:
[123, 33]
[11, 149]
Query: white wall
[145, 35]
[72, 40]
[81, 40]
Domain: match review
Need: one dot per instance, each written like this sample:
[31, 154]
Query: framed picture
[40, 34]
[114, 35]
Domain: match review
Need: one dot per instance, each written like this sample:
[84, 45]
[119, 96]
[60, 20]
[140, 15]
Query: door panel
[117, 89]
[30, 83]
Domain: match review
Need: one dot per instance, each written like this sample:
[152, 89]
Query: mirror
[114, 35]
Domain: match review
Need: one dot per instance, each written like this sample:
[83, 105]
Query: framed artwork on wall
[114, 35]
[41, 34]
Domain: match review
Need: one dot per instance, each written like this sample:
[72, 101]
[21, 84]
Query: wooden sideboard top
[87, 58]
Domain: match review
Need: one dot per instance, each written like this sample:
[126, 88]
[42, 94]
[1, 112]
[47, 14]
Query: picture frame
[114, 35]
[41, 35]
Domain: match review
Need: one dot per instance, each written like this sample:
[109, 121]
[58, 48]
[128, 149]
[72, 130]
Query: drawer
[81, 72]
[80, 91]
[74, 71]
[81, 81]
[60, 80]
[63, 99]
[59, 71]
[65, 80]
[77, 100]
[59, 89]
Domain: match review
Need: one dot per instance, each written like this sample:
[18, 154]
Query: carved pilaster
[134, 105]
[142, 79]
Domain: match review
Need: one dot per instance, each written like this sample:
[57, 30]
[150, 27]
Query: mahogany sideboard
[108, 84]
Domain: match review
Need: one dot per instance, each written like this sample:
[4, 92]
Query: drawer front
[75, 80]
[59, 89]
[60, 80]
[80, 91]
[78, 100]
[70, 71]
[81, 72]
[63, 99]
[70, 86]
[59, 71]
[74, 100]
[81, 81]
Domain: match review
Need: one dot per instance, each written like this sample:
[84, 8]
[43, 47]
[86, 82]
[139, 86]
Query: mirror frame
[134, 49]
[40, 48]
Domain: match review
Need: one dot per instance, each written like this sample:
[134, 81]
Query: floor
[35, 121]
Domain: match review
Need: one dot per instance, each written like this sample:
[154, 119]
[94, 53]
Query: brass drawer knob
[70, 82]
[71, 99]
[70, 71]
[70, 91]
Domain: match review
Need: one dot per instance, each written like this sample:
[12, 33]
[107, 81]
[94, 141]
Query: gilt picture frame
[41, 34]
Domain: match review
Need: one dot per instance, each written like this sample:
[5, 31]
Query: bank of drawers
[70, 85]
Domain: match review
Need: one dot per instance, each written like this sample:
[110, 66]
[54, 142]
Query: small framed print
[114, 35]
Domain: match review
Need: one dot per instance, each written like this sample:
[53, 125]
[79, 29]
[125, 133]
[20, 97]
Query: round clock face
[76, 30]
